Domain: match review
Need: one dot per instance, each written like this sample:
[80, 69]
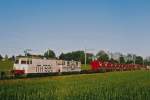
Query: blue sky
[66, 25]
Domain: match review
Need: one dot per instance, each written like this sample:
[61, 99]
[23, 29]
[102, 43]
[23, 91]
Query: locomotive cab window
[28, 62]
[31, 62]
[23, 62]
[68, 63]
[77, 63]
[63, 62]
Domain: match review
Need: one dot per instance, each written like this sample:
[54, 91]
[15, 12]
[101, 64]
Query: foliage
[130, 57]
[1, 57]
[89, 57]
[102, 56]
[87, 67]
[147, 62]
[139, 60]
[6, 65]
[107, 86]
[62, 56]
[113, 61]
[129, 62]
[6, 57]
[49, 54]
[12, 58]
[77, 56]
[122, 60]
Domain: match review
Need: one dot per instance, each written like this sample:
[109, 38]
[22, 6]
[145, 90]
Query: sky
[69, 25]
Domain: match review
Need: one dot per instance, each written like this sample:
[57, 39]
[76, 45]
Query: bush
[2, 75]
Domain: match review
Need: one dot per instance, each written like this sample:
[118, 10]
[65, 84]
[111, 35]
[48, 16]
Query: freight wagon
[39, 66]
[98, 65]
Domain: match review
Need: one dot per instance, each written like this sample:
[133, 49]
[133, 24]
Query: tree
[122, 60]
[6, 57]
[102, 56]
[12, 58]
[1, 57]
[146, 62]
[89, 57]
[113, 61]
[139, 60]
[62, 56]
[129, 62]
[49, 54]
[76, 56]
[129, 57]
[28, 54]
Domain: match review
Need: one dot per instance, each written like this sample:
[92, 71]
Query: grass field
[6, 65]
[102, 86]
[87, 67]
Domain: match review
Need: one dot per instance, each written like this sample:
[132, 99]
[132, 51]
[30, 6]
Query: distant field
[6, 65]
[102, 86]
[87, 67]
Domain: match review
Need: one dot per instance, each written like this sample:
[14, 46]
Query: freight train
[98, 65]
[24, 66]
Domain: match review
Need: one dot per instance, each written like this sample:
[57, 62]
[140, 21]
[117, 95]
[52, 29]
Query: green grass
[87, 67]
[102, 86]
[6, 65]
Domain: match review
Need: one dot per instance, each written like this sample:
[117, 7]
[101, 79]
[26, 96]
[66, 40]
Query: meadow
[127, 85]
[6, 65]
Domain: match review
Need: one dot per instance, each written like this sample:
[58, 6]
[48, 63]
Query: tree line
[80, 56]
[12, 58]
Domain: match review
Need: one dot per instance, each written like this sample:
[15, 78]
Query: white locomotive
[25, 65]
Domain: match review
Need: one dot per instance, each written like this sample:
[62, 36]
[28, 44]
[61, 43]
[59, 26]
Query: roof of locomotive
[39, 57]
[34, 57]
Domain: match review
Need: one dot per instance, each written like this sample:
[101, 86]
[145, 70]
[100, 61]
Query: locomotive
[25, 66]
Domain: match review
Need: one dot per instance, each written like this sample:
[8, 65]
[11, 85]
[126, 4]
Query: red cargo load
[95, 65]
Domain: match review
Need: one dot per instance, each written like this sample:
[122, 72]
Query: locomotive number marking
[44, 69]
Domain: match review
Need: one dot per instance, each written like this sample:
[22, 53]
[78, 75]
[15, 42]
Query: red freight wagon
[107, 66]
